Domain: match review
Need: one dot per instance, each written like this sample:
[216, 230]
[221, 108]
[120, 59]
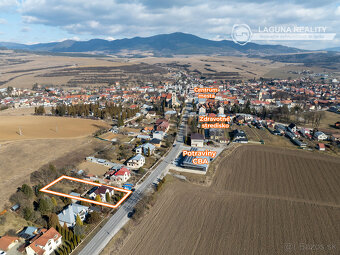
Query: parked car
[131, 213]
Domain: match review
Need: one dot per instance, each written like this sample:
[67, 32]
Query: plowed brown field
[263, 200]
[43, 140]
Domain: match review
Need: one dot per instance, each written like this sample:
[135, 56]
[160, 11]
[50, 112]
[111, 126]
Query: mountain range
[160, 45]
[333, 49]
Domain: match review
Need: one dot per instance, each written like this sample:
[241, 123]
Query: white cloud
[74, 38]
[337, 11]
[8, 3]
[3, 21]
[210, 19]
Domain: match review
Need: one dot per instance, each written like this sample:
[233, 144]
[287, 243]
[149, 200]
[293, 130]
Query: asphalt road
[119, 219]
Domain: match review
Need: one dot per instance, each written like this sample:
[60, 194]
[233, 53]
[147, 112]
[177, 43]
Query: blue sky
[33, 21]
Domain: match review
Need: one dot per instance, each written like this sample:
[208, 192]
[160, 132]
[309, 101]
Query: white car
[2, 252]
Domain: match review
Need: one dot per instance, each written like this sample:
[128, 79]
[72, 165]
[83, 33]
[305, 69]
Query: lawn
[11, 220]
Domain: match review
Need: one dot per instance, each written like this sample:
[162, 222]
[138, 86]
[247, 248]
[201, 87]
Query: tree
[68, 248]
[79, 231]
[54, 201]
[98, 199]
[35, 86]
[67, 234]
[70, 235]
[53, 221]
[75, 242]
[27, 190]
[85, 203]
[71, 245]
[9, 90]
[28, 213]
[65, 231]
[78, 221]
[247, 107]
[66, 200]
[120, 121]
[78, 239]
[107, 197]
[93, 217]
[43, 206]
[39, 110]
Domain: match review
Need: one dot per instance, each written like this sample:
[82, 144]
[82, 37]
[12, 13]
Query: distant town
[153, 123]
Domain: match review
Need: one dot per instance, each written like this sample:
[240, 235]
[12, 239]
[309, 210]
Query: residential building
[145, 149]
[320, 136]
[136, 161]
[158, 135]
[239, 136]
[156, 142]
[69, 214]
[29, 232]
[162, 125]
[202, 110]
[121, 175]
[197, 140]
[292, 127]
[76, 195]
[101, 191]
[221, 110]
[45, 243]
[8, 242]
[321, 147]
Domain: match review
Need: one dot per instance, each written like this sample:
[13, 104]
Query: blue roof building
[28, 232]
[186, 162]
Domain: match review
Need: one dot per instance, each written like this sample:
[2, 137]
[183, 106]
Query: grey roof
[69, 214]
[197, 136]
[28, 232]
[148, 145]
[187, 161]
[116, 166]
[155, 141]
[137, 157]
[75, 194]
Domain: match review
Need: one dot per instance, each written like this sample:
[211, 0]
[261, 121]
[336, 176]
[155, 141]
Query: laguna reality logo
[242, 34]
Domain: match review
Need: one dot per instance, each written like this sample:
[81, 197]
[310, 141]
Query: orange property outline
[46, 190]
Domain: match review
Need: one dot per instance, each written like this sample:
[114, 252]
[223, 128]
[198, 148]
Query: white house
[7, 243]
[45, 244]
[158, 135]
[69, 214]
[202, 111]
[145, 148]
[220, 110]
[101, 191]
[292, 127]
[151, 114]
[320, 136]
[121, 175]
[197, 140]
[136, 161]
